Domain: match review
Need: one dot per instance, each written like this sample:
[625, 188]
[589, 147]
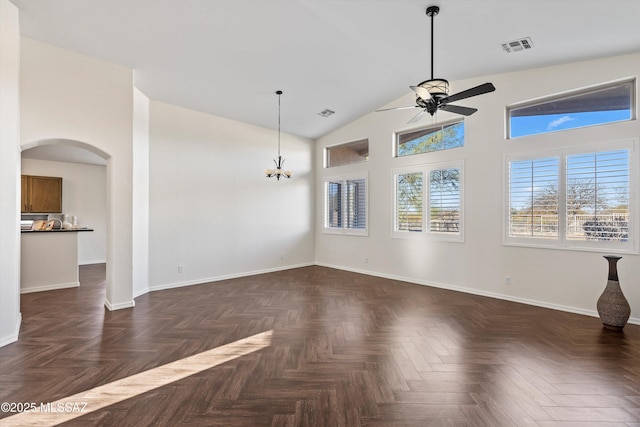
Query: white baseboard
[225, 277]
[13, 337]
[119, 306]
[544, 304]
[141, 292]
[537, 303]
[103, 261]
[49, 287]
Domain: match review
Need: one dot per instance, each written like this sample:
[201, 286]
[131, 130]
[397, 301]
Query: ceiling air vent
[326, 113]
[518, 45]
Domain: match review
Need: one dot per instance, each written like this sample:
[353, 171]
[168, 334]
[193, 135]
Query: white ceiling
[228, 57]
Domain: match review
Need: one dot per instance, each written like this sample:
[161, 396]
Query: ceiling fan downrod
[431, 12]
[430, 92]
[433, 94]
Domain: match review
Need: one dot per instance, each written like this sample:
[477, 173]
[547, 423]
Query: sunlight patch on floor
[102, 396]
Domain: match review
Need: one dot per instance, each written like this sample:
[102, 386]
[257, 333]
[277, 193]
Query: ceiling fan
[433, 94]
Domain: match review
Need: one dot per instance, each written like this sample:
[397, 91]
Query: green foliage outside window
[435, 138]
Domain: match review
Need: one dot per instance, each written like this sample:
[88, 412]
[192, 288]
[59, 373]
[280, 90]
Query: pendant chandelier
[278, 171]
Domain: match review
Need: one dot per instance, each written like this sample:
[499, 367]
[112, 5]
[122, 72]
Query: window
[333, 210]
[444, 200]
[345, 154]
[408, 210]
[428, 201]
[575, 199]
[597, 196]
[533, 198]
[604, 104]
[434, 138]
[345, 204]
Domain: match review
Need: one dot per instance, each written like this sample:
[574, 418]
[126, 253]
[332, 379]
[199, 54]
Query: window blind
[444, 200]
[333, 205]
[356, 203]
[408, 200]
[597, 196]
[345, 204]
[533, 198]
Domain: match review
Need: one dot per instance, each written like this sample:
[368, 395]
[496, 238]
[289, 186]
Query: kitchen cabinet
[41, 194]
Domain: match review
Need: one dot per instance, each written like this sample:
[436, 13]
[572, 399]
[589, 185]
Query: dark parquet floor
[346, 350]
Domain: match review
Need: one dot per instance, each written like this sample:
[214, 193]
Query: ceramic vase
[613, 307]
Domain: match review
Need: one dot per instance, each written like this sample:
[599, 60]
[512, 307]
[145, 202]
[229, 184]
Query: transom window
[428, 201]
[434, 138]
[346, 204]
[346, 154]
[575, 199]
[596, 106]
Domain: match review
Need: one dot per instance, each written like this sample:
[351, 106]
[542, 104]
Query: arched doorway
[87, 158]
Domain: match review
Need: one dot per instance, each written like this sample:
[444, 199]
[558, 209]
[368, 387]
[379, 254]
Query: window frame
[344, 229]
[561, 241]
[434, 126]
[426, 233]
[327, 153]
[567, 95]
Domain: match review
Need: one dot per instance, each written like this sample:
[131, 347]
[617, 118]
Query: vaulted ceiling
[228, 57]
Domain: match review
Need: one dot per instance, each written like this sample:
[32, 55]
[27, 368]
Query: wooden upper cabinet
[41, 194]
[24, 199]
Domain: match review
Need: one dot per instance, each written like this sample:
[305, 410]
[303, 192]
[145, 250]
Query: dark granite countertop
[57, 230]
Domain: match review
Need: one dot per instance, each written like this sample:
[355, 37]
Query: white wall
[84, 194]
[212, 210]
[205, 179]
[568, 280]
[72, 97]
[9, 173]
[140, 238]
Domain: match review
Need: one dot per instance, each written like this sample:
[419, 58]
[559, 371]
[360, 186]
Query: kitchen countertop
[57, 230]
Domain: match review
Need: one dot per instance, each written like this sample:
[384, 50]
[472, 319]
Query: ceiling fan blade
[418, 116]
[465, 111]
[421, 92]
[474, 91]
[397, 108]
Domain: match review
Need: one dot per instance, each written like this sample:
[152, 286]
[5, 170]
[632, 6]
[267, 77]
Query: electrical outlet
[281, 257]
[180, 268]
[507, 280]
[366, 260]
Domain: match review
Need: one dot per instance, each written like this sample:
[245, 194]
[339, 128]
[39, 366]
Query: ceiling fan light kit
[436, 88]
[433, 94]
[279, 170]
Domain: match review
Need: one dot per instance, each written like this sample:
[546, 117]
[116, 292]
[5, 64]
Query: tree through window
[428, 201]
[575, 199]
[434, 138]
